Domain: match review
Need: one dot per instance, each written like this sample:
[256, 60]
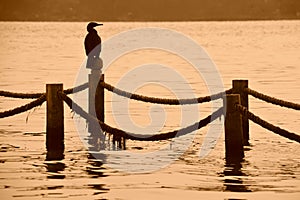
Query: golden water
[264, 52]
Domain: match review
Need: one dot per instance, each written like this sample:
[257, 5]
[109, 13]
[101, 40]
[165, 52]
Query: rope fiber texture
[273, 100]
[141, 137]
[267, 125]
[38, 95]
[77, 89]
[20, 95]
[24, 108]
[163, 100]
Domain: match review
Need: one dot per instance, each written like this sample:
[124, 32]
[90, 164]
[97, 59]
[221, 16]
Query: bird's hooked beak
[92, 25]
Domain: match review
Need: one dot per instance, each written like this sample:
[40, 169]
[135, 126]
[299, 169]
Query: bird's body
[92, 44]
[91, 41]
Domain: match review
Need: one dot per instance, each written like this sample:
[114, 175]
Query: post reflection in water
[54, 164]
[93, 170]
[234, 176]
[96, 168]
[55, 169]
[96, 159]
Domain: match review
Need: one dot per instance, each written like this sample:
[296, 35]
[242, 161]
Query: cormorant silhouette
[92, 44]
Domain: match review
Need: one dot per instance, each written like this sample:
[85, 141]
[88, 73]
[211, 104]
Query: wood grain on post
[94, 79]
[239, 87]
[99, 96]
[55, 122]
[96, 108]
[234, 149]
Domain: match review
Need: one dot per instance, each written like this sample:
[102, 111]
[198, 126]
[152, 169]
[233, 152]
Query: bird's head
[91, 26]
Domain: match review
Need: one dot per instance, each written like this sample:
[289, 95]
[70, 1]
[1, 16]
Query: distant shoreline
[150, 11]
[220, 20]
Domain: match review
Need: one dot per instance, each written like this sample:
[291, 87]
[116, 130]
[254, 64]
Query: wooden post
[239, 87]
[99, 107]
[234, 149]
[99, 104]
[96, 107]
[55, 123]
[96, 94]
[94, 78]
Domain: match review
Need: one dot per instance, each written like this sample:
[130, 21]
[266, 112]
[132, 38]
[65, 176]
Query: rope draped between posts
[156, 100]
[20, 95]
[77, 89]
[38, 95]
[284, 133]
[272, 100]
[141, 137]
[24, 108]
[41, 97]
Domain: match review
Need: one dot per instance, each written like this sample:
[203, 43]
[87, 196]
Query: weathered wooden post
[96, 107]
[234, 149]
[99, 96]
[96, 95]
[238, 87]
[55, 123]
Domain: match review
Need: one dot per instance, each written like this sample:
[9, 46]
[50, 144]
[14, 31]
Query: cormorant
[92, 44]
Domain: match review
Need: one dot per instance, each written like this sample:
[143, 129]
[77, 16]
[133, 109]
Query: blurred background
[154, 10]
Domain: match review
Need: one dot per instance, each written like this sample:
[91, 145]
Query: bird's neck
[93, 31]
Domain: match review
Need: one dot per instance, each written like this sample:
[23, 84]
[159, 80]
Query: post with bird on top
[92, 45]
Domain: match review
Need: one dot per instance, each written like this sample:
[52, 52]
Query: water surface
[264, 52]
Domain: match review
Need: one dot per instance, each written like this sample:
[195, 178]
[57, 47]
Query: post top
[240, 80]
[56, 84]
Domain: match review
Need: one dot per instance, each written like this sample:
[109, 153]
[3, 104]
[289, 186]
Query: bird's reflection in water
[234, 175]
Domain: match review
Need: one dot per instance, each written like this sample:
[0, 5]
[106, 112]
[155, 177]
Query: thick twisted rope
[20, 95]
[273, 100]
[76, 89]
[37, 95]
[267, 125]
[163, 100]
[141, 137]
[24, 108]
